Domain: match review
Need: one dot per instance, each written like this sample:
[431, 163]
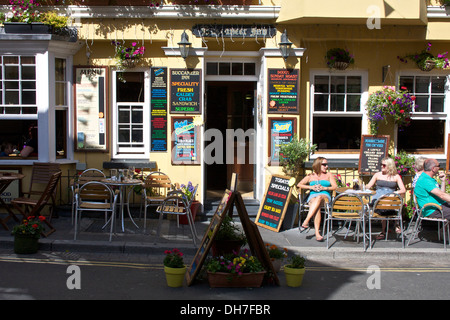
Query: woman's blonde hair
[390, 166]
[419, 163]
[317, 164]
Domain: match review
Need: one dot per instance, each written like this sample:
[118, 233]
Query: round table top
[122, 183]
[366, 192]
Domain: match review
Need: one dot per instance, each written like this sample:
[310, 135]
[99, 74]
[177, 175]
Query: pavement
[133, 240]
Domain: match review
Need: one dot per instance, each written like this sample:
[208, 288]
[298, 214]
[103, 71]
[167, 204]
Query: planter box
[27, 28]
[230, 280]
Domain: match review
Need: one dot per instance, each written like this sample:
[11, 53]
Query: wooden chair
[32, 205]
[389, 208]
[40, 176]
[155, 190]
[95, 196]
[347, 207]
[87, 175]
[178, 205]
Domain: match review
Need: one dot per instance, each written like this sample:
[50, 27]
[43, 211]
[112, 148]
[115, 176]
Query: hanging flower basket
[339, 59]
[339, 65]
[426, 61]
[427, 65]
[129, 63]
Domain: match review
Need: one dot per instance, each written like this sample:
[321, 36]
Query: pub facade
[200, 91]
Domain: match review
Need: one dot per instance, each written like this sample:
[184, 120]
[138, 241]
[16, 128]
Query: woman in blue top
[320, 183]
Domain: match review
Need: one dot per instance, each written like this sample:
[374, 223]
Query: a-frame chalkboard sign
[254, 239]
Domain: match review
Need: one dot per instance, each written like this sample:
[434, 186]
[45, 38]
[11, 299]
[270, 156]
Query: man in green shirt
[427, 191]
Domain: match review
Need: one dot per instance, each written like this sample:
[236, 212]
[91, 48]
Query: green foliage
[275, 252]
[30, 226]
[52, 18]
[338, 55]
[234, 263]
[229, 231]
[294, 153]
[425, 56]
[296, 262]
[404, 162]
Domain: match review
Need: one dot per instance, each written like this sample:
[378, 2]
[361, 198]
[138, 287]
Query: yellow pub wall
[372, 50]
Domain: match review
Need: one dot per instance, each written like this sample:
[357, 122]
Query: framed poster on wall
[158, 108]
[91, 108]
[281, 131]
[283, 86]
[185, 141]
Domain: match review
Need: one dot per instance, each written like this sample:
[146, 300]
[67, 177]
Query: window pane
[353, 103]
[11, 84]
[407, 82]
[337, 102]
[28, 72]
[124, 134]
[60, 94]
[212, 68]
[422, 84]
[60, 69]
[12, 97]
[224, 68]
[413, 138]
[137, 116]
[12, 72]
[321, 84]
[27, 60]
[337, 84]
[28, 97]
[237, 69]
[10, 60]
[124, 116]
[249, 69]
[438, 84]
[131, 89]
[28, 84]
[337, 132]
[320, 102]
[437, 104]
[421, 104]
[354, 84]
[138, 134]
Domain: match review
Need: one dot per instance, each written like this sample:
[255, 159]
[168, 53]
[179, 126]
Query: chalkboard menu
[275, 202]
[373, 149]
[158, 109]
[283, 91]
[185, 91]
[91, 111]
[281, 131]
[185, 141]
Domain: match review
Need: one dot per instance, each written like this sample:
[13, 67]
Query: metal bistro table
[122, 186]
[6, 179]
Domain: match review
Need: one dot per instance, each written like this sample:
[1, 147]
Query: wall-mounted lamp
[285, 45]
[184, 45]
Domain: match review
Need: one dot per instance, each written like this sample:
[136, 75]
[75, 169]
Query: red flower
[35, 226]
[41, 218]
[402, 111]
[413, 98]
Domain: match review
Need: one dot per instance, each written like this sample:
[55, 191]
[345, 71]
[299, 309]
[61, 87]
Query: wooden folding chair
[156, 187]
[30, 206]
[40, 176]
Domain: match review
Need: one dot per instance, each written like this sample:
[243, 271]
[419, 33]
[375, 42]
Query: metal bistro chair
[445, 222]
[304, 208]
[176, 204]
[95, 196]
[91, 174]
[415, 214]
[347, 207]
[392, 205]
[155, 189]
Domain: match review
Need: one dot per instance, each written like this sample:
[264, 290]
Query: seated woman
[6, 149]
[320, 183]
[386, 181]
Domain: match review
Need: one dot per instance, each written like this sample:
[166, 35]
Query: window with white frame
[337, 111]
[131, 116]
[61, 113]
[426, 133]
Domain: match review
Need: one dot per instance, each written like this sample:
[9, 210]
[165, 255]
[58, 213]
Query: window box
[27, 28]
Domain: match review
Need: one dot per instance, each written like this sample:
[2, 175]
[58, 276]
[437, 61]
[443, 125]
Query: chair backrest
[389, 202]
[40, 176]
[94, 193]
[159, 183]
[180, 194]
[91, 174]
[347, 205]
[46, 194]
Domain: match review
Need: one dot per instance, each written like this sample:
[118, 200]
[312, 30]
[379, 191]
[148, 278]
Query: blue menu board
[158, 109]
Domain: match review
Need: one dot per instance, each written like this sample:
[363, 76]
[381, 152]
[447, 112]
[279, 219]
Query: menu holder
[373, 149]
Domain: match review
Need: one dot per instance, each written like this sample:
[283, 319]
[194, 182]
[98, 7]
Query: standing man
[427, 191]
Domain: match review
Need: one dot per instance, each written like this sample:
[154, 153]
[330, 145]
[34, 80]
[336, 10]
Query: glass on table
[113, 173]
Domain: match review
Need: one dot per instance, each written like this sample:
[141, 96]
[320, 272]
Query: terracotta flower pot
[194, 209]
[232, 280]
[175, 276]
[25, 244]
[294, 276]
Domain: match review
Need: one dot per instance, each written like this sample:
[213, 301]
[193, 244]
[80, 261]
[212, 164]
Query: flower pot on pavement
[175, 276]
[294, 276]
[25, 243]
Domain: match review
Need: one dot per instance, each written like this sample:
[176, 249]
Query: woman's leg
[314, 207]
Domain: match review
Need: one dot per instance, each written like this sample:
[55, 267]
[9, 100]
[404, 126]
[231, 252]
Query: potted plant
[339, 59]
[235, 270]
[27, 234]
[276, 255]
[389, 103]
[188, 194]
[293, 154]
[295, 270]
[174, 268]
[404, 162]
[426, 61]
[228, 239]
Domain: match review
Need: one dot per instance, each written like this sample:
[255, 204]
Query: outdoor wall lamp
[184, 45]
[285, 45]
